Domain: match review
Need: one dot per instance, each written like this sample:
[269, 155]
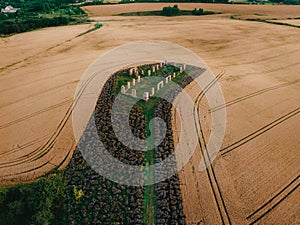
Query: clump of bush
[200, 11]
[171, 11]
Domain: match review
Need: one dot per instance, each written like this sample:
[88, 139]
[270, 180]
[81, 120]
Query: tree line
[19, 26]
[37, 14]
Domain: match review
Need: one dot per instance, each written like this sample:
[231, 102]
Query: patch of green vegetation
[171, 11]
[42, 202]
[37, 14]
[96, 27]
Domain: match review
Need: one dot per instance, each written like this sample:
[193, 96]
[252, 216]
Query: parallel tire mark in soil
[222, 210]
[46, 147]
[237, 100]
[264, 59]
[273, 202]
[40, 92]
[34, 114]
[23, 146]
[258, 132]
[273, 69]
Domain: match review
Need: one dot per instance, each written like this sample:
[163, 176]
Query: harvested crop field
[255, 178]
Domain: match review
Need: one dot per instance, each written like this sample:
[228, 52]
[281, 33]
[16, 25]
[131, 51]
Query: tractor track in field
[254, 94]
[40, 92]
[273, 69]
[274, 201]
[24, 146]
[47, 146]
[234, 146]
[265, 59]
[215, 187]
[35, 114]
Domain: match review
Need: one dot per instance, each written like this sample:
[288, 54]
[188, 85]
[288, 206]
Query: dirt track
[260, 86]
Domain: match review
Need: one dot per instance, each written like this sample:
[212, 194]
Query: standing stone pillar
[133, 82]
[123, 89]
[133, 93]
[128, 85]
[152, 91]
[139, 79]
[168, 78]
[146, 96]
[153, 69]
[149, 72]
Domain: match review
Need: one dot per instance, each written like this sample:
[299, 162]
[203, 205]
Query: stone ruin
[159, 86]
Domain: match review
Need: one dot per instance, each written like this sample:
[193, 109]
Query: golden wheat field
[255, 177]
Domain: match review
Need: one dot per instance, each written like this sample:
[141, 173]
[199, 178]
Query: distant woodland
[35, 14]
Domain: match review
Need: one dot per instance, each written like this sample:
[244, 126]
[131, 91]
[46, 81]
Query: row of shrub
[175, 11]
[19, 26]
[37, 5]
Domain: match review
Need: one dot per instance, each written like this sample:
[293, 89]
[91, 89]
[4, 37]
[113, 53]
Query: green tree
[171, 11]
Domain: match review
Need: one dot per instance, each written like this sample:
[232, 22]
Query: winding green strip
[150, 206]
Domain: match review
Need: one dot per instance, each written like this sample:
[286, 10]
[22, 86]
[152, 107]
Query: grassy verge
[96, 27]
